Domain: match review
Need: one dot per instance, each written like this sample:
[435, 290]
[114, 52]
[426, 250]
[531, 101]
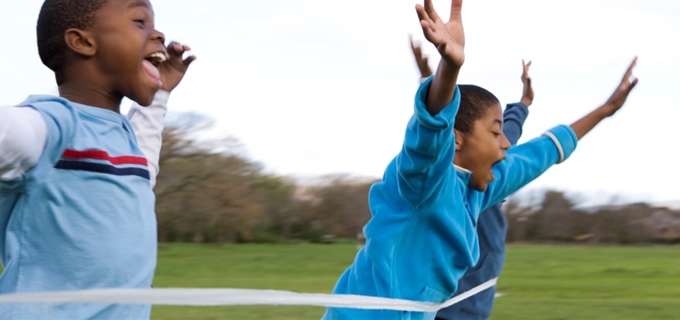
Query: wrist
[447, 71]
[604, 111]
[526, 101]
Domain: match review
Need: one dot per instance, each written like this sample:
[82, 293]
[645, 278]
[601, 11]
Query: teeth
[158, 56]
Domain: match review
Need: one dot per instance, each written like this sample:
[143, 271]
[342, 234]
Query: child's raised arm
[449, 39]
[613, 104]
[527, 90]
[528, 161]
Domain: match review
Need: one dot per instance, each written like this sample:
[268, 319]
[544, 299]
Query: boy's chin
[480, 186]
[143, 101]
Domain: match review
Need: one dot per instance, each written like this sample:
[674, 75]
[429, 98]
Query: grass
[555, 283]
[301, 268]
[538, 282]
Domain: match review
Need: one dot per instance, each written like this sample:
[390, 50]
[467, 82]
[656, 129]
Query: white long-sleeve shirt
[23, 134]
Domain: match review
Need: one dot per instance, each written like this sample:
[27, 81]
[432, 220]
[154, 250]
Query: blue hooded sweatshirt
[422, 235]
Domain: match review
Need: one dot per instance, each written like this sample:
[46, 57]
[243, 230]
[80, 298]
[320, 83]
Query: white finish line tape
[232, 297]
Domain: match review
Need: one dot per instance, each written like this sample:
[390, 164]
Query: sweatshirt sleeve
[148, 123]
[428, 149]
[513, 119]
[23, 134]
[528, 161]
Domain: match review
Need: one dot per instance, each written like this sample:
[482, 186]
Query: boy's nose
[157, 35]
[505, 143]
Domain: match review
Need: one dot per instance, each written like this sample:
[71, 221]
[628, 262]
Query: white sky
[326, 86]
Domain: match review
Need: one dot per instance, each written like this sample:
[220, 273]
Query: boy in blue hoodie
[422, 235]
[492, 224]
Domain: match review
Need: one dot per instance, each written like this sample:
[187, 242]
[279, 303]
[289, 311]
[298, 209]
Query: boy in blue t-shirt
[455, 163]
[76, 200]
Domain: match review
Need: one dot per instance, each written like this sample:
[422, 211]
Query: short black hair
[57, 16]
[474, 101]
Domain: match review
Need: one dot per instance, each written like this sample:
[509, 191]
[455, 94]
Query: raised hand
[582, 126]
[421, 60]
[448, 37]
[173, 69]
[618, 98]
[527, 91]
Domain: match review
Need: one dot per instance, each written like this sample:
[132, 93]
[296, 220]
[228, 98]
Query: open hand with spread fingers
[447, 36]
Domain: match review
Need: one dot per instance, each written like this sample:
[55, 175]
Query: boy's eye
[140, 22]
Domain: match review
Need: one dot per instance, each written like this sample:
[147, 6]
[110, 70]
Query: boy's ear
[460, 139]
[80, 42]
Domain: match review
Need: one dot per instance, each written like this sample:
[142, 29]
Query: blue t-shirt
[82, 218]
[422, 234]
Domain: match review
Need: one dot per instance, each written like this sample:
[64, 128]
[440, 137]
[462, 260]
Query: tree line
[209, 191]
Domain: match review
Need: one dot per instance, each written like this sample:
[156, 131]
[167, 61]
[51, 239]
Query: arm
[449, 39]
[613, 104]
[148, 122]
[23, 134]
[516, 113]
[429, 145]
[428, 149]
[526, 162]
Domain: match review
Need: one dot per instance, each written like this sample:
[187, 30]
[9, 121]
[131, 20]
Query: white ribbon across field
[232, 297]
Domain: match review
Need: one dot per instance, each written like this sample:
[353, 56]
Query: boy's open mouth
[151, 63]
[493, 177]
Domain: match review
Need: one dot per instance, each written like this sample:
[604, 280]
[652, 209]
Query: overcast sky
[327, 86]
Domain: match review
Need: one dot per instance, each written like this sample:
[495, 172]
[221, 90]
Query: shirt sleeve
[148, 123]
[513, 119]
[528, 161]
[23, 135]
[428, 149]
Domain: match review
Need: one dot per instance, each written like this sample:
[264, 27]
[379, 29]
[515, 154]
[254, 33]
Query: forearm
[23, 134]
[428, 148]
[442, 88]
[148, 123]
[582, 126]
[513, 120]
[526, 101]
[527, 161]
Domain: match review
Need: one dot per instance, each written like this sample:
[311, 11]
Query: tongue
[151, 70]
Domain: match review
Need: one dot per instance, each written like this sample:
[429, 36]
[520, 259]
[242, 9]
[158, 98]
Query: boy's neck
[90, 94]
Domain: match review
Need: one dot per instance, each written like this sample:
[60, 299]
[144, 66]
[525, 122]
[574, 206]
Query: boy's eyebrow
[139, 3]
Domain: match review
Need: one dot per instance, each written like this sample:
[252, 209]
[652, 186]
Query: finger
[529, 64]
[423, 16]
[632, 85]
[429, 34]
[429, 8]
[174, 50]
[456, 9]
[629, 71]
[189, 60]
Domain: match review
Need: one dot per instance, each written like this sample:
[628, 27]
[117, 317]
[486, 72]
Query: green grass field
[539, 282]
